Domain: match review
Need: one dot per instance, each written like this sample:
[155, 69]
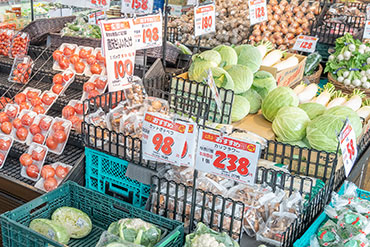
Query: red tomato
[80, 67]
[76, 123]
[67, 76]
[61, 171]
[4, 101]
[27, 120]
[47, 172]
[3, 117]
[17, 123]
[36, 101]
[84, 53]
[74, 59]
[79, 108]
[59, 136]
[39, 156]
[91, 59]
[6, 127]
[24, 105]
[68, 51]
[32, 171]
[39, 109]
[64, 63]
[26, 159]
[32, 94]
[68, 111]
[100, 84]
[2, 158]
[38, 138]
[58, 79]
[4, 144]
[96, 69]
[58, 126]
[57, 88]
[88, 87]
[34, 129]
[99, 57]
[93, 94]
[47, 99]
[45, 123]
[50, 184]
[22, 133]
[12, 112]
[57, 55]
[19, 98]
[51, 144]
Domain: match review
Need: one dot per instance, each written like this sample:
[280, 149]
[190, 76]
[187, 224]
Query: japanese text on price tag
[348, 146]
[212, 85]
[305, 43]
[148, 31]
[119, 50]
[204, 19]
[228, 157]
[163, 139]
[98, 4]
[367, 30]
[137, 6]
[96, 17]
[188, 152]
[257, 11]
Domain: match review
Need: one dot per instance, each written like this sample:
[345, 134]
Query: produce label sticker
[227, 157]
[119, 50]
[163, 139]
[211, 83]
[137, 6]
[204, 19]
[188, 152]
[257, 11]
[305, 43]
[367, 30]
[97, 4]
[348, 146]
[148, 31]
[96, 17]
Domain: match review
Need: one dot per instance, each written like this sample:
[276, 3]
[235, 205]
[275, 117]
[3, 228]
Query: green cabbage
[312, 109]
[254, 99]
[345, 112]
[242, 77]
[228, 55]
[211, 56]
[263, 83]
[249, 56]
[301, 144]
[290, 124]
[110, 240]
[198, 69]
[222, 78]
[276, 99]
[240, 108]
[50, 229]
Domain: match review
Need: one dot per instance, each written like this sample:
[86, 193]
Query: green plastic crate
[101, 208]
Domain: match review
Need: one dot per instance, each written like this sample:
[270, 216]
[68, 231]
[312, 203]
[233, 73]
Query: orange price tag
[305, 43]
[148, 31]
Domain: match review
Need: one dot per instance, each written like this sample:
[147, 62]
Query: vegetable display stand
[345, 89]
[315, 77]
[102, 209]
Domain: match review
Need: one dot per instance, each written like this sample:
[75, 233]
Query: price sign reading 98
[204, 19]
[137, 6]
[305, 43]
[226, 156]
[163, 139]
[347, 139]
[148, 31]
[257, 11]
[119, 49]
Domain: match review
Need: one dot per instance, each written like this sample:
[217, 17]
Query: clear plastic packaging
[39, 129]
[82, 52]
[327, 234]
[67, 51]
[48, 181]
[107, 239]
[157, 105]
[58, 135]
[6, 37]
[135, 94]
[95, 86]
[20, 44]
[132, 125]
[74, 112]
[20, 131]
[31, 93]
[6, 143]
[21, 69]
[47, 100]
[7, 116]
[293, 204]
[38, 153]
[68, 77]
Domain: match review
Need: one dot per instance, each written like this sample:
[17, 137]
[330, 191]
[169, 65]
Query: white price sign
[257, 11]
[163, 139]
[96, 17]
[305, 43]
[188, 152]
[368, 12]
[367, 30]
[228, 157]
[148, 31]
[119, 51]
[212, 85]
[137, 6]
[348, 146]
[204, 19]
[97, 4]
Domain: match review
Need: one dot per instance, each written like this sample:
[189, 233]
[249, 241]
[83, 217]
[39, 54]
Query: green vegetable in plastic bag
[313, 60]
[50, 229]
[327, 234]
[110, 240]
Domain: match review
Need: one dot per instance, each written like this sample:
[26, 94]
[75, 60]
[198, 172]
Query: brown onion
[277, 28]
[263, 28]
[258, 38]
[283, 24]
[270, 27]
[284, 30]
[279, 41]
[279, 12]
[292, 42]
[283, 18]
[270, 17]
[284, 3]
[275, 7]
[298, 31]
[267, 33]
[296, 10]
[283, 47]
[257, 26]
[289, 36]
[276, 17]
[256, 32]
[273, 22]
[274, 2]
[272, 39]
[277, 35]
[289, 14]
[295, 24]
[299, 20]
[299, 14]
[252, 38]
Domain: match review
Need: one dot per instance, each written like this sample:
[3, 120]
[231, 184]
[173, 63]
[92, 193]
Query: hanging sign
[257, 11]
[226, 156]
[305, 43]
[204, 19]
[348, 146]
[212, 85]
[137, 6]
[367, 30]
[148, 31]
[119, 50]
[96, 17]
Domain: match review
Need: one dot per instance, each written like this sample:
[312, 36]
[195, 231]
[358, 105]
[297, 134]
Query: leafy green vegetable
[312, 109]
[242, 77]
[212, 56]
[277, 99]
[312, 62]
[111, 240]
[240, 108]
[222, 78]
[228, 55]
[301, 144]
[184, 49]
[198, 70]
[263, 83]
[50, 229]
[290, 124]
[344, 112]
[254, 99]
[249, 56]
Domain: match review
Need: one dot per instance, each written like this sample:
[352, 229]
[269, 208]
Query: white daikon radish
[272, 58]
[355, 101]
[308, 93]
[338, 98]
[264, 47]
[286, 64]
[364, 111]
[298, 89]
[325, 94]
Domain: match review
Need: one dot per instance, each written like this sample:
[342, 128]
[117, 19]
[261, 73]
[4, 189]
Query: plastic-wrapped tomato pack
[6, 36]
[21, 70]
[22, 124]
[6, 118]
[74, 113]
[61, 81]
[39, 129]
[58, 135]
[95, 86]
[20, 44]
[6, 143]
[32, 161]
[52, 175]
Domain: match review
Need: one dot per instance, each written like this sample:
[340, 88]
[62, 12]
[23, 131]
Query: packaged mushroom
[153, 104]
[132, 125]
[97, 123]
[135, 94]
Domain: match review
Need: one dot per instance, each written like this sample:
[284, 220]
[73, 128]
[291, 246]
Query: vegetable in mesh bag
[111, 240]
[50, 229]
[313, 109]
[206, 237]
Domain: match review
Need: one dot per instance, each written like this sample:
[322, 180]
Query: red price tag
[148, 31]
[226, 156]
[140, 4]
[123, 68]
[305, 43]
[204, 19]
[137, 6]
[347, 140]
[257, 11]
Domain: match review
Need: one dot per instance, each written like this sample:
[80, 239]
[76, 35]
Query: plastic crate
[106, 174]
[102, 210]
[304, 241]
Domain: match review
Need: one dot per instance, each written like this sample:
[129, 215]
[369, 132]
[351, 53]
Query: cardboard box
[288, 76]
[256, 123]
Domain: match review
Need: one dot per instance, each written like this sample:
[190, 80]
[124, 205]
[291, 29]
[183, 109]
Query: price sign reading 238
[227, 156]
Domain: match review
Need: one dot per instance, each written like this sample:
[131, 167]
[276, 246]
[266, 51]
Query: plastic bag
[107, 239]
[327, 234]
[293, 204]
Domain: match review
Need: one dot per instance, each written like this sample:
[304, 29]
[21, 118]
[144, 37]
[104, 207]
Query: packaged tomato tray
[61, 81]
[6, 36]
[21, 69]
[6, 118]
[21, 125]
[99, 57]
[58, 135]
[95, 86]
[62, 55]
[6, 143]
[44, 102]
[20, 44]
[74, 113]
[79, 59]
[32, 161]
[39, 129]
[52, 175]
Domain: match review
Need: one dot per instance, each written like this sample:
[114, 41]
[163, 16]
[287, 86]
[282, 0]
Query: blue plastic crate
[106, 174]
[304, 241]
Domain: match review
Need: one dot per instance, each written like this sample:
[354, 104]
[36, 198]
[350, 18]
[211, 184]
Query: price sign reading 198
[148, 31]
[204, 19]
